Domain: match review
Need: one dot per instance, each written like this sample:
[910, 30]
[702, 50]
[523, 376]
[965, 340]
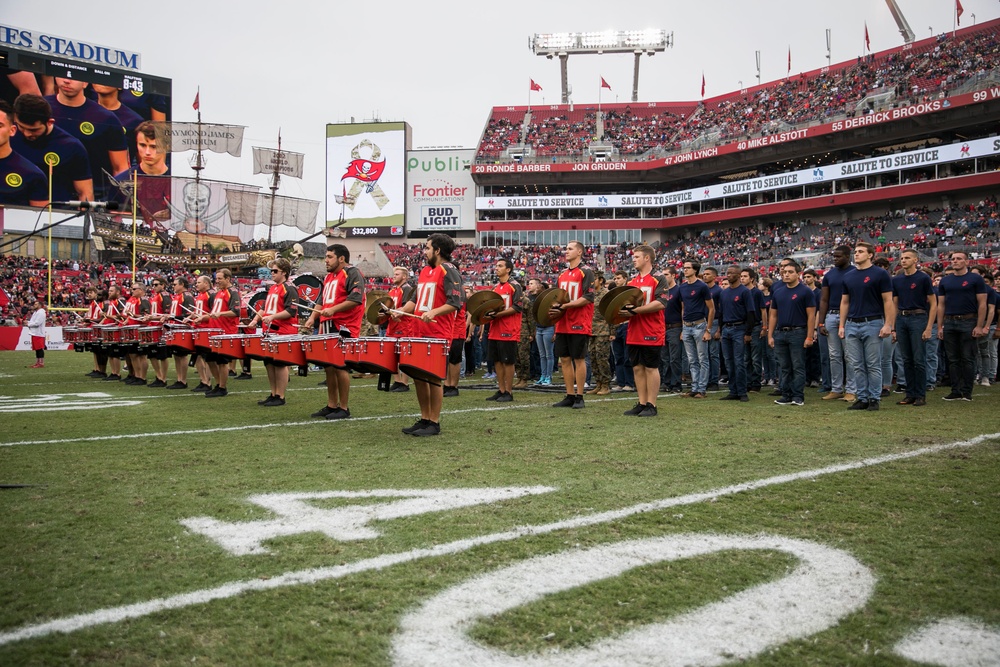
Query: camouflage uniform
[522, 369]
[600, 349]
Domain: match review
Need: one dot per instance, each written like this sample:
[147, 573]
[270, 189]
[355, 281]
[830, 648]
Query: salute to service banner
[927, 157]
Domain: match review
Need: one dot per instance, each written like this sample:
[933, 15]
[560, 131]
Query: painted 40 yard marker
[91, 400]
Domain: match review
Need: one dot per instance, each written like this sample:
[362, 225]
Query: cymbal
[483, 303]
[545, 300]
[619, 298]
[374, 313]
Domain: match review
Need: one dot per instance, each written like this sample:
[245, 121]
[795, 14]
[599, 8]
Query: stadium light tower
[565, 44]
[901, 23]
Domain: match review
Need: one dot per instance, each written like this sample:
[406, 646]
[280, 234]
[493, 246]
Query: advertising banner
[440, 193]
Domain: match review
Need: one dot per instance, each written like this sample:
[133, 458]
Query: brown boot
[603, 389]
[521, 384]
[596, 388]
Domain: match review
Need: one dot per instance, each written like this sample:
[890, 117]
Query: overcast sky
[440, 65]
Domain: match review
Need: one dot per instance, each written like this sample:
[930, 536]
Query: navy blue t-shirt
[695, 298]
[21, 182]
[716, 290]
[736, 304]
[758, 303]
[98, 129]
[129, 120]
[71, 162]
[913, 291]
[865, 288]
[143, 103]
[672, 311]
[791, 304]
[960, 292]
[834, 279]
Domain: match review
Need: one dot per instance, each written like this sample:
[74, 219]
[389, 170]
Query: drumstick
[401, 312]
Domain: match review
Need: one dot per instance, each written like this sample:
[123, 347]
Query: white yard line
[311, 576]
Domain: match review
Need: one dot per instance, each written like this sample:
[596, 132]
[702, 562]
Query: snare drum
[201, 337]
[130, 334]
[371, 355]
[324, 350]
[424, 358]
[228, 345]
[69, 334]
[254, 347]
[150, 335]
[182, 340]
[85, 335]
[287, 350]
[109, 334]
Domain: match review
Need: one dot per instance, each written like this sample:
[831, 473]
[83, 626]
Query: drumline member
[646, 331]
[181, 303]
[457, 344]
[157, 354]
[112, 312]
[202, 306]
[438, 296]
[505, 331]
[278, 315]
[94, 315]
[224, 315]
[399, 327]
[245, 371]
[136, 308]
[342, 304]
[574, 323]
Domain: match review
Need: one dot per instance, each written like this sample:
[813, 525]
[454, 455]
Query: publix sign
[441, 195]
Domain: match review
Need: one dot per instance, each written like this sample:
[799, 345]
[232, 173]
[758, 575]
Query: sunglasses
[273, 271]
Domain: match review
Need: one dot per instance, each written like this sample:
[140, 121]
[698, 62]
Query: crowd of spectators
[915, 75]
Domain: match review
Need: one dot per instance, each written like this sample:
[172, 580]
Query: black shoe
[713, 387]
[323, 412]
[953, 396]
[178, 385]
[505, 397]
[919, 402]
[321, 384]
[634, 410]
[873, 406]
[784, 401]
[775, 393]
[648, 411]
[566, 402]
[900, 389]
[885, 392]
[495, 397]
[244, 376]
[139, 383]
[730, 397]
[409, 430]
[967, 397]
[450, 392]
[202, 387]
[399, 387]
[274, 402]
[858, 405]
[909, 400]
[756, 390]
[157, 384]
[130, 380]
[744, 398]
[270, 397]
[578, 403]
[218, 392]
[232, 374]
[112, 378]
[429, 428]
[96, 374]
[339, 413]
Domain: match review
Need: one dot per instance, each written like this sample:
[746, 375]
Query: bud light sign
[441, 196]
[440, 217]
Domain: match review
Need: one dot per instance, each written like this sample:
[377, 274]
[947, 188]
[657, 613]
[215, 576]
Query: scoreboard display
[67, 68]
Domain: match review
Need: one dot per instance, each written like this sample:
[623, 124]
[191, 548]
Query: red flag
[703, 84]
[364, 170]
[197, 104]
[789, 60]
[604, 84]
[534, 86]
[868, 42]
[958, 11]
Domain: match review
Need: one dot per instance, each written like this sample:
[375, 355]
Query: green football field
[152, 527]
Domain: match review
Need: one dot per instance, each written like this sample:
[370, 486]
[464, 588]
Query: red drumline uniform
[508, 328]
[400, 295]
[460, 315]
[280, 298]
[225, 299]
[156, 303]
[648, 328]
[94, 311]
[201, 307]
[436, 287]
[112, 308]
[346, 285]
[578, 282]
[134, 308]
[176, 303]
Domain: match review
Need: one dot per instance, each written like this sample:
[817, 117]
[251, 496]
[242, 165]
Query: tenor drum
[201, 337]
[254, 347]
[228, 345]
[324, 350]
[182, 340]
[287, 350]
[372, 355]
[424, 358]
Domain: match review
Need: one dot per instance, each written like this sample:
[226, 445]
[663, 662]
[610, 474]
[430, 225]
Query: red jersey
[202, 305]
[112, 308]
[460, 317]
[508, 327]
[400, 295]
[281, 298]
[156, 306]
[436, 287]
[578, 282]
[134, 307]
[346, 285]
[225, 300]
[648, 328]
[177, 304]
[94, 311]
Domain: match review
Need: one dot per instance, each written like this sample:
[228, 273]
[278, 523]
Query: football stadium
[587, 393]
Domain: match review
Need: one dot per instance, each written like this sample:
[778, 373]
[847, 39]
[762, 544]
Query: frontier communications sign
[440, 193]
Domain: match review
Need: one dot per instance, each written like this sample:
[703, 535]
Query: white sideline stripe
[953, 642]
[311, 576]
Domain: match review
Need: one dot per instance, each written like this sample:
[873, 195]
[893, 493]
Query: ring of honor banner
[366, 175]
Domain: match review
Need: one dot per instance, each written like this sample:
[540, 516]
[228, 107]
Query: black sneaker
[157, 384]
[967, 397]
[139, 382]
[202, 387]
[873, 406]
[232, 374]
[730, 397]
[275, 401]
[244, 376]
[398, 387]
[495, 397]
[505, 397]
[178, 385]
[578, 403]
[566, 402]
[409, 430]
[649, 411]
[96, 374]
[112, 378]
[885, 392]
[323, 412]
[270, 397]
[449, 392]
[339, 413]
[775, 393]
[131, 380]
[900, 389]
[953, 396]
[858, 405]
[784, 401]
[634, 410]
[712, 387]
[744, 398]
[218, 392]
[429, 428]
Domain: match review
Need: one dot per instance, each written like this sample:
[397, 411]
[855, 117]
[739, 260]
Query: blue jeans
[791, 356]
[697, 354]
[888, 347]
[864, 357]
[961, 349]
[670, 359]
[770, 362]
[838, 358]
[754, 355]
[931, 348]
[623, 367]
[733, 349]
[823, 345]
[910, 345]
[546, 349]
[714, 349]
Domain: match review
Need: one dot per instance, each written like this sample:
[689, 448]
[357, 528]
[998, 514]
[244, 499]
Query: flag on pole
[197, 105]
[534, 86]
[789, 59]
[703, 84]
[604, 84]
[868, 42]
[958, 11]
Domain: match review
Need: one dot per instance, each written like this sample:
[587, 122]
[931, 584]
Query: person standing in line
[399, 327]
[697, 310]
[279, 315]
[36, 327]
[916, 306]
[544, 340]
[574, 322]
[505, 331]
[623, 370]
[600, 342]
[842, 386]
[673, 347]
[793, 311]
[755, 348]
[738, 316]
[646, 331]
[962, 305]
[984, 343]
[710, 275]
[224, 314]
